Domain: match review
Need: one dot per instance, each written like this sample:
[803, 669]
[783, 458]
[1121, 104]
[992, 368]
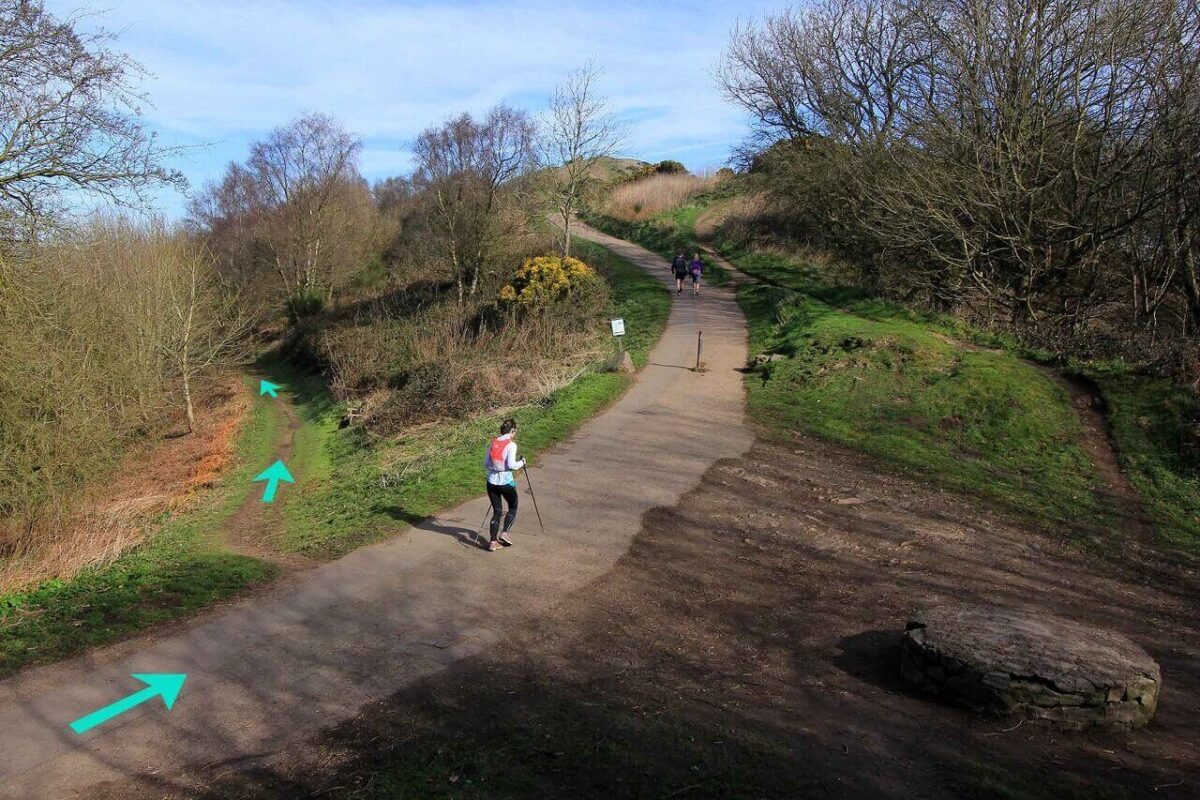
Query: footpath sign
[618, 329]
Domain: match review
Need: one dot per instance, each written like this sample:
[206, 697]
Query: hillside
[977, 409]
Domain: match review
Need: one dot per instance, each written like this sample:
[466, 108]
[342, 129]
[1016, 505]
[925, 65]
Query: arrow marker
[163, 684]
[268, 388]
[273, 475]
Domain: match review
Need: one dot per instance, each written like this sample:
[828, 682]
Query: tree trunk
[187, 402]
[1192, 282]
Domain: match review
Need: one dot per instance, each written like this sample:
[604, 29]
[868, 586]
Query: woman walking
[697, 269]
[500, 462]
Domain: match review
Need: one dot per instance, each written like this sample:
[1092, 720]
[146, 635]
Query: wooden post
[699, 348]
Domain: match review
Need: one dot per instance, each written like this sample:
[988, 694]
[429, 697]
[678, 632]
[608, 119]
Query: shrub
[548, 280]
[307, 303]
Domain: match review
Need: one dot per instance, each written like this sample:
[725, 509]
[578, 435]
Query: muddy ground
[747, 646]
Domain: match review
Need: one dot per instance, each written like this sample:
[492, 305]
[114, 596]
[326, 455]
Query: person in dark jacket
[680, 267]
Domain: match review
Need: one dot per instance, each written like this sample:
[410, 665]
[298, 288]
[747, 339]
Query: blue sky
[223, 73]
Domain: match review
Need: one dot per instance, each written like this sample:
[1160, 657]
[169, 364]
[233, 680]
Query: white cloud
[227, 72]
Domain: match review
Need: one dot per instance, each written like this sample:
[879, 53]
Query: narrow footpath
[282, 665]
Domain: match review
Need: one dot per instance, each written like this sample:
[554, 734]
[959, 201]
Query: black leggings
[508, 493]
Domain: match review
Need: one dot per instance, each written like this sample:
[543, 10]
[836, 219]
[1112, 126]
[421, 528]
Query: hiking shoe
[493, 546]
[504, 540]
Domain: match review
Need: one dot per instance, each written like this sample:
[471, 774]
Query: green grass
[1148, 418]
[353, 492]
[180, 569]
[979, 421]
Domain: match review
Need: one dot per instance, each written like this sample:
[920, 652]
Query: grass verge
[181, 568]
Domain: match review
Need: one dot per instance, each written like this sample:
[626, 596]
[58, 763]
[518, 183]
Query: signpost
[618, 329]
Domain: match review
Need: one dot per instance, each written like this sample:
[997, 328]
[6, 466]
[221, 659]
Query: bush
[548, 280]
[308, 303]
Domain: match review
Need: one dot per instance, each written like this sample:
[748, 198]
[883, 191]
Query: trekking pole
[486, 514]
[535, 505]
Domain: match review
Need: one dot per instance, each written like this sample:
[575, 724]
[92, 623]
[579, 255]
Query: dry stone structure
[1002, 661]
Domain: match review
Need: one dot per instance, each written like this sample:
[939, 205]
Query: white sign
[618, 326]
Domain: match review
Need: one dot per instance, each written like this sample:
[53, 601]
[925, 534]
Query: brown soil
[747, 646]
[163, 474]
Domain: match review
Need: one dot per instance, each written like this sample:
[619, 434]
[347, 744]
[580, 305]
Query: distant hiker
[697, 269]
[500, 462]
[680, 268]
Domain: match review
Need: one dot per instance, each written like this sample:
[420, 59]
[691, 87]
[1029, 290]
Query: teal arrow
[266, 387]
[158, 684]
[273, 475]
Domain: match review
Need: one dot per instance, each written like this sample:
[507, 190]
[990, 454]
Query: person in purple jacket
[697, 269]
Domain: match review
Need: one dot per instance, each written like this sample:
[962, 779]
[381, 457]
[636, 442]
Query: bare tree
[579, 130]
[836, 69]
[297, 208]
[69, 116]
[1036, 157]
[203, 327]
[470, 170]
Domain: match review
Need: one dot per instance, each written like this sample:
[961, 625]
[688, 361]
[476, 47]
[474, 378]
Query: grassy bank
[979, 421]
[934, 393]
[1147, 416]
[182, 567]
[1149, 419]
[356, 492]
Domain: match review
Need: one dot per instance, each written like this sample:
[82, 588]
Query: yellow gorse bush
[545, 280]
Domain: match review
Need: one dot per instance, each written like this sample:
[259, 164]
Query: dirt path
[283, 665]
[1116, 493]
[245, 532]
